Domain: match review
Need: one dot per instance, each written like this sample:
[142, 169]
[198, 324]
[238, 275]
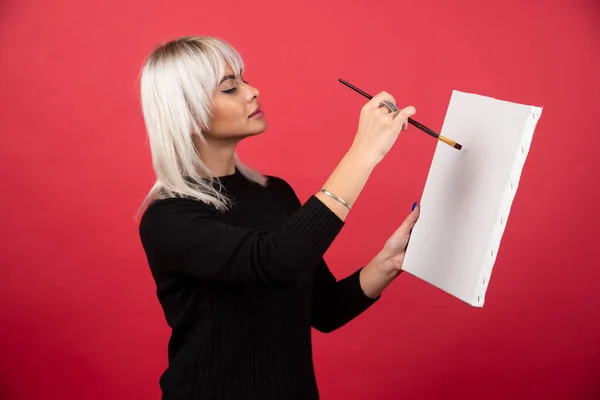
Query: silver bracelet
[333, 196]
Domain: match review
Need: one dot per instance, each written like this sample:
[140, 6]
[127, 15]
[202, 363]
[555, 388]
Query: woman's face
[237, 112]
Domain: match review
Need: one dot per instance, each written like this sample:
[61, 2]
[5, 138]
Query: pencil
[411, 121]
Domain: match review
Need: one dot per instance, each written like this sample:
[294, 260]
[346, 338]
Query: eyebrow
[226, 78]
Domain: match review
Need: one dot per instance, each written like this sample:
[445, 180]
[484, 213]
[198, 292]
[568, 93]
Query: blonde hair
[177, 82]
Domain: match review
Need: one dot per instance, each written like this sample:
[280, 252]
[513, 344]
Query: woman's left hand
[395, 248]
[387, 265]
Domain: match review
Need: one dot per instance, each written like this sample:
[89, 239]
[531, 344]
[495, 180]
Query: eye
[229, 91]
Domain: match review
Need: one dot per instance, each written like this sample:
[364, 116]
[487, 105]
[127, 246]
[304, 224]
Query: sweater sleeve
[335, 303]
[185, 237]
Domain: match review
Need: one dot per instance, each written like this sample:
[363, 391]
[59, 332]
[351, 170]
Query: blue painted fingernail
[414, 206]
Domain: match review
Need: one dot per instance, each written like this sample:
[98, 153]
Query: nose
[252, 92]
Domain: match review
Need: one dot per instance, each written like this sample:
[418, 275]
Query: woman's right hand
[377, 132]
[378, 128]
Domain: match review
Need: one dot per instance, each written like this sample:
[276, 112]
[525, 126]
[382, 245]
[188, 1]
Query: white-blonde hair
[177, 82]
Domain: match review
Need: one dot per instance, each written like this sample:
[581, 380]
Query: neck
[218, 156]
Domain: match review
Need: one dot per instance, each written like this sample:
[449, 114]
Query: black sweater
[242, 289]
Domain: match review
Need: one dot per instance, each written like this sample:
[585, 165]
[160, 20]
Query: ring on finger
[389, 105]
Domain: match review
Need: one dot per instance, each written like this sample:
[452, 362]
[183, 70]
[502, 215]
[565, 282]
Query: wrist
[347, 181]
[377, 275]
[361, 159]
[384, 265]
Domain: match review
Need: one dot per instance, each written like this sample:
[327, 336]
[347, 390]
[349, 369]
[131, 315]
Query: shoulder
[171, 214]
[278, 183]
[175, 225]
[172, 207]
[283, 191]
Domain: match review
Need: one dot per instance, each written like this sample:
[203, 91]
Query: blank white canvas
[468, 194]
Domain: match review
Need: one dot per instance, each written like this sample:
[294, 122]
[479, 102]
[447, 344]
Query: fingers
[392, 108]
[381, 110]
[374, 103]
[410, 221]
[400, 117]
[401, 120]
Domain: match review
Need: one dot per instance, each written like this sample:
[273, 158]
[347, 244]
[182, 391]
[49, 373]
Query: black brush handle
[410, 120]
[423, 128]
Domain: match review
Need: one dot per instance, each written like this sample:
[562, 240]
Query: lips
[258, 109]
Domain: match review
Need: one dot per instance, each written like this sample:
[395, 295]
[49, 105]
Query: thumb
[410, 221]
[403, 115]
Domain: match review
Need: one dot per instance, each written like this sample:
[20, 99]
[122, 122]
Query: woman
[237, 259]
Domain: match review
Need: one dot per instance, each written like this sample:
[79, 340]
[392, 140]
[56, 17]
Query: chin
[258, 130]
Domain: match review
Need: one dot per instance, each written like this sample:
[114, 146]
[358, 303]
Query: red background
[80, 319]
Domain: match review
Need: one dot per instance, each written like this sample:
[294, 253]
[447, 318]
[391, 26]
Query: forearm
[374, 277]
[336, 302]
[347, 181]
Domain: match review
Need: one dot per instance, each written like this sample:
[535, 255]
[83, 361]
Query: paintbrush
[411, 121]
